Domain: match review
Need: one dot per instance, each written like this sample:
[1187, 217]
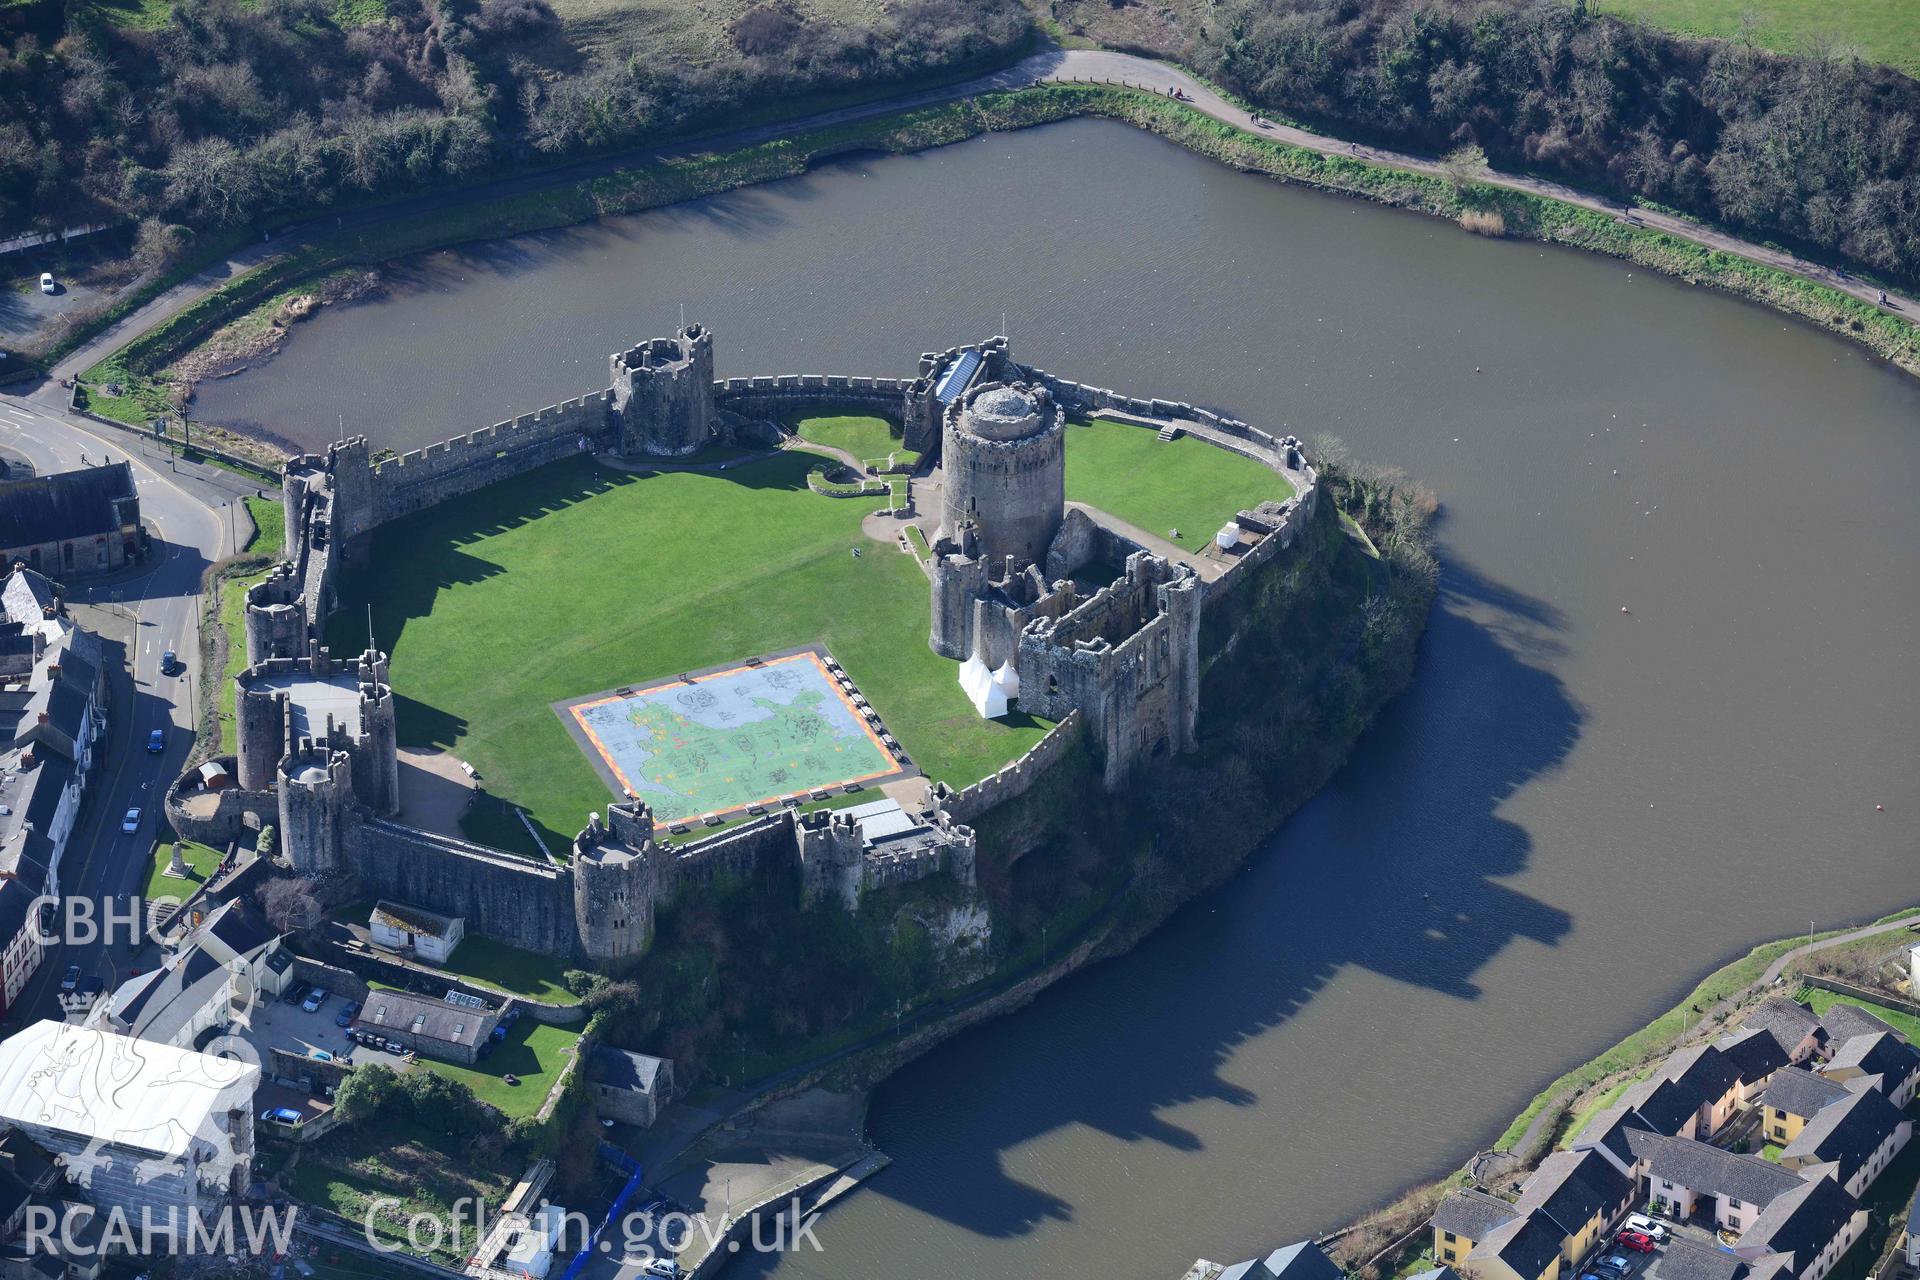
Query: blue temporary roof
[955, 379]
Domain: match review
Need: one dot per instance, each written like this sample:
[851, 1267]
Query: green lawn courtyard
[1185, 484]
[863, 437]
[576, 578]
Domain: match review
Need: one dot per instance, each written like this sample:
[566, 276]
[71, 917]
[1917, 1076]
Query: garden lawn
[202, 859]
[533, 1051]
[1905, 1023]
[1185, 484]
[575, 578]
[862, 437]
[504, 968]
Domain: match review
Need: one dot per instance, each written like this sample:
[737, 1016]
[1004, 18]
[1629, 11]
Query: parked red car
[1638, 1241]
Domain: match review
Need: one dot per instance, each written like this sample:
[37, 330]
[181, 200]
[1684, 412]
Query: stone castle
[1084, 625]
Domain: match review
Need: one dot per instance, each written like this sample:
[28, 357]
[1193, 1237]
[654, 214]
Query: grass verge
[1184, 484]
[533, 1053]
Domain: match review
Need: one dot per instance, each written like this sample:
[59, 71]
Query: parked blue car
[345, 1017]
[281, 1115]
[157, 741]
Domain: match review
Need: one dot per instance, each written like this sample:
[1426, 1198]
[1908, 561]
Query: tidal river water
[1573, 812]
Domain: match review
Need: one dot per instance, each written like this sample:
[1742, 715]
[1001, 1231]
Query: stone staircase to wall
[1170, 433]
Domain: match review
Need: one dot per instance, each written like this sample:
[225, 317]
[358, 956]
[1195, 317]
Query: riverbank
[1391, 1240]
[154, 364]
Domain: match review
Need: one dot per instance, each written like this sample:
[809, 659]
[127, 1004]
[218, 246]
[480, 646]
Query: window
[1451, 1238]
[1448, 1254]
[1779, 1131]
[1733, 1204]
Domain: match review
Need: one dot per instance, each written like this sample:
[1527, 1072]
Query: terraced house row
[1822, 1099]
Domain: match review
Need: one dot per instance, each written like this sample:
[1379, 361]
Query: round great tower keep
[1004, 462]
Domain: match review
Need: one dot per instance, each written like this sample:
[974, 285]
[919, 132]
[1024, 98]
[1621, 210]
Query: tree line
[234, 110]
[1817, 149]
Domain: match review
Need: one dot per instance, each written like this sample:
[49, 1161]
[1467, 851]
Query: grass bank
[1660, 1035]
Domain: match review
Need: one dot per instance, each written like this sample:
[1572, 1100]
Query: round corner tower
[615, 883]
[663, 394]
[314, 785]
[1004, 457]
[376, 755]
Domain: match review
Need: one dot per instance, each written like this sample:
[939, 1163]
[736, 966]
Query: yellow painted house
[1793, 1097]
[1463, 1220]
[1580, 1194]
[1526, 1248]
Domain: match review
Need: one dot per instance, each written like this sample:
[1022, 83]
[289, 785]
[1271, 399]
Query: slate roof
[413, 919]
[238, 926]
[1883, 1054]
[67, 504]
[26, 596]
[1438, 1273]
[1708, 1170]
[1802, 1220]
[1472, 1214]
[1847, 1132]
[1844, 1021]
[623, 1070]
[1789, 1021]
[1800, 1092]
[1754, 1053]
[1704, 1068]
[1301, 1261]
[1683, 1259]
[1665, 1104]
[1573, 1188]
[1609, 1128]
[1526, 1244]
[436, 1019]
[158, 1009]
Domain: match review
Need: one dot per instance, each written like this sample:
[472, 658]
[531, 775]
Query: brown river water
[1601, 805]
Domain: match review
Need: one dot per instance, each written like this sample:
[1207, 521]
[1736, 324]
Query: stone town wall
[795, 393]
[1012, 780]
[425, 477]
[516, 900]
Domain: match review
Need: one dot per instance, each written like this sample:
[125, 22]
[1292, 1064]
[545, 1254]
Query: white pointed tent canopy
[989, 690]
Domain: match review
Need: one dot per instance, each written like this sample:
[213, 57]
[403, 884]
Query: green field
[1881, 30]
[575, 578]
[509, 969]
[1186, 484]
[269, 542]
[533, 1052]
[863, 437]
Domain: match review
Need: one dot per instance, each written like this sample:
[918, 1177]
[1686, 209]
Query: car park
[345, 1017]
[46, 283]
[297, 992]
[1648, 1227]
[131, 822]
[157, 741]
[315, 998]
[1617, 1263]
[1638, 1241]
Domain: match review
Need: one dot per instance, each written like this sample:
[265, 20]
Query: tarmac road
[146, 610]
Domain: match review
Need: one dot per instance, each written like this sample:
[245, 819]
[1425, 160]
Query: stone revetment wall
[422, 478]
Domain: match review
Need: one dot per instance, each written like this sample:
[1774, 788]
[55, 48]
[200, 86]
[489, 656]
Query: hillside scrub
[225, 111]
[1817, 149]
